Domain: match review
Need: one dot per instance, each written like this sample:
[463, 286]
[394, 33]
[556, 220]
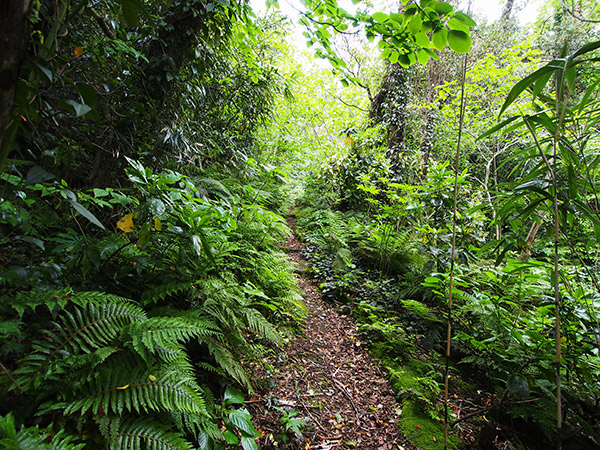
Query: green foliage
[505, 311]
[203, 294]
[406, 37]
[34, 438]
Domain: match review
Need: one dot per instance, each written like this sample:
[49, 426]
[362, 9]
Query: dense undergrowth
[381, 249]
[139, 267]
[131, 335]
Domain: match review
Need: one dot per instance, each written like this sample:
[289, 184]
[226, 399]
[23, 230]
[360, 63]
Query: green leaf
[440, 39]
[35, 241]
[428, 25]
[144, 234]
[240, 418]
[249, 443]
[85, 213]
[380, 17]
[459, 41]
[540, 84]
[37, 175]
[230, 438]
[570, 76]
[586, 49]
[233, 396]
[407, 59]
[422, 57]
[130, 12]
[45, 71]
[456, 24]
[442, 7]
[78, 108]
[464, 18]
[157, 206]
[393, 58]
[414, 26]
[205, 442]
[197, 243]
[518, 387]
[411, 9]
[497, 127]
[88, 94]
[527, 82]
[422, 40]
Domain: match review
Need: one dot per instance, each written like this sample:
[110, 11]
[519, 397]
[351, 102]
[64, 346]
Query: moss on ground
[422, 431]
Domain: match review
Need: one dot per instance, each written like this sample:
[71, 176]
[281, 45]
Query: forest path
[327, 376]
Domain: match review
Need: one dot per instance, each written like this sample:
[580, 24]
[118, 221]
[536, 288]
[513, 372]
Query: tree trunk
[507, 10]
[14, 33]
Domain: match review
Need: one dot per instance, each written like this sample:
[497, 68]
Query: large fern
[145, 434]
[81, 331]
[121, 388]
[109, 359]
[160, 336]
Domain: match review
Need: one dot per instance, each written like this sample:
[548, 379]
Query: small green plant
[290, 422]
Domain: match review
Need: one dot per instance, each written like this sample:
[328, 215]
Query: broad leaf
[459, 41]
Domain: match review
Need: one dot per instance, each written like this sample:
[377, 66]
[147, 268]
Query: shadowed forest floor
[327, 379]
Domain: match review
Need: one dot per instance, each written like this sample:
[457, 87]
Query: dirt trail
[327, 376]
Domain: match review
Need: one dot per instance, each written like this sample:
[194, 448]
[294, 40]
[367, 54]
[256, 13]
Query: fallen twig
[349, 397]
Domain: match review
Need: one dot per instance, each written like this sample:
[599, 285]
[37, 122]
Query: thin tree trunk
[14, 33]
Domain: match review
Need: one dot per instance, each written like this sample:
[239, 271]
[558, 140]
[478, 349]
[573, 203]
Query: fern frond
[146, 434]
[257, 323]
[208, 186]
[165, 290]
[228, 363]
[32, 438]
[82, 331]
[118, 390]
[161, 335]
[83, 298]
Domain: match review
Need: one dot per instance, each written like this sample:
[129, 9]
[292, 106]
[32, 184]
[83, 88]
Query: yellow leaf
[152, 377]
[157, 225]
[125, 223]
[78, 51]
[123, 387]
[349, 141]
[563, 339]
